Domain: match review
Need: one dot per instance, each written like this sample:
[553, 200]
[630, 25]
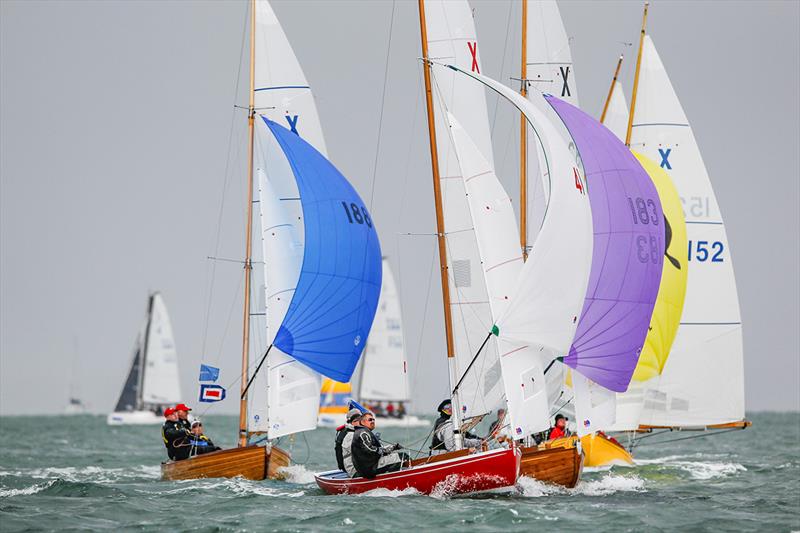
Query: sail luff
[523, 140]
[143, 354]
[632, 111]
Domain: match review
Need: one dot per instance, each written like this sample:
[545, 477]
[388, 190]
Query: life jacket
[341, 433]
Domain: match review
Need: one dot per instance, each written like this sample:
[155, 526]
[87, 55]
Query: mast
[636, 77]
[248, 267]
[143, 355]
[611, 89]
[523, 141]
[437, 197]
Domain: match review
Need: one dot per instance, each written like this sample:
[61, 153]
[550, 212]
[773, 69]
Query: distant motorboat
[152, 383]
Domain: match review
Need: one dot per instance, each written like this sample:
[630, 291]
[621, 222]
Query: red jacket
[556, 433]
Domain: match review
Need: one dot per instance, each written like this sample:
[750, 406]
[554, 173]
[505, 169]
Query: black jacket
[341, 433]
[367, 452]
[175, 439]
[436, 443]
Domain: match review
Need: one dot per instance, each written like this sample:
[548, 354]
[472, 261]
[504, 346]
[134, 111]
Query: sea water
[77, 473]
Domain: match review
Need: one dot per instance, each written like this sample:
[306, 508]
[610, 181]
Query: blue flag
[211, 393]
[355, 405]
[208, 373]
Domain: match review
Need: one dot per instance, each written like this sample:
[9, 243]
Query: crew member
[183, 416]
[174, 436]
[345, 432]
[496, 429]
[370, 458]
[444, 437]
[198, 442]
[560, 429]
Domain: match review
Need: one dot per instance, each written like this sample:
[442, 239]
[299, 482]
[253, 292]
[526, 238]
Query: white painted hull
[134, 418]
[336, 420]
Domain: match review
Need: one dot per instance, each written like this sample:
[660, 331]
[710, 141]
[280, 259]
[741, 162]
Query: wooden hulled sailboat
[153, 382]
[307, 215]
[694, 382]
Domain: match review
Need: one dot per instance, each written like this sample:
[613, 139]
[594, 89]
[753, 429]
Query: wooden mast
[636, 77]
[248, 267]
[611, 90]
[437, 195]
[523, 140]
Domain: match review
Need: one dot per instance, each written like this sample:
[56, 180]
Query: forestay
[546, 301]
[384, 372]
[626, 268]
[285, 392]
[452, 39]
[703, 380]
[160, 380]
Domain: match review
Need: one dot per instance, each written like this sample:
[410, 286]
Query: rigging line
[563, 405]
[502, 67]
[380, 117]
[253, 377]
[210, 284]
[228, 321]
[455, 389]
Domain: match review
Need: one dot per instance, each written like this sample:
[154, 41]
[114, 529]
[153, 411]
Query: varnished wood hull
[251, 462]
[552, 464]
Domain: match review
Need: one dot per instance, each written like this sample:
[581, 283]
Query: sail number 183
[356, 215]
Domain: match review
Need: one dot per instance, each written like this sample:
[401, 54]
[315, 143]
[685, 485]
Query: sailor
[444, 438]
[496, 429]
[183, 416]
[198, 442]
[174, 436]
[560, 429]
[346, 432]
[370, 458]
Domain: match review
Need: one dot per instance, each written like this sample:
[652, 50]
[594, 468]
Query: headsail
[703, 380]
[543, 309]
[129, 398]
[617, 114]
[384, 371]
[549, 65]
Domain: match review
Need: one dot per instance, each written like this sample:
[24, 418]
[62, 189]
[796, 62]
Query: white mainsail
[703, 380]
[384, 371]
[452, 39]
[284, 396]
[160, 379]
[543, 306]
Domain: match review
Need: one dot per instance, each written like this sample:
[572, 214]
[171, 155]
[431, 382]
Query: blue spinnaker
[334, 303]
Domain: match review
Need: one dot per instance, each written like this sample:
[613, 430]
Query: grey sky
[115, 122]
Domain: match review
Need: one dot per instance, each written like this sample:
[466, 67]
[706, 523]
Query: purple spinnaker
[627, 256]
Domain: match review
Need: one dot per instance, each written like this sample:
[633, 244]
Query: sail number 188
[356, 215]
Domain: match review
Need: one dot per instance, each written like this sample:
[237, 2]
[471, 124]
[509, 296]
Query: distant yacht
[152, 383]
[75, 405]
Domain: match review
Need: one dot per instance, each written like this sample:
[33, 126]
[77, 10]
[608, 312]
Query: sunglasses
[369, 420]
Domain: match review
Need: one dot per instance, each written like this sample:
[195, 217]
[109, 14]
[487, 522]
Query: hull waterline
[251, 462]
[559, 462]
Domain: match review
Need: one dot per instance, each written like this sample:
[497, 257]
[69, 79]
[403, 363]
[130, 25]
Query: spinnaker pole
[611, 90]
[636, 77]
[440, 236]
[248, 267]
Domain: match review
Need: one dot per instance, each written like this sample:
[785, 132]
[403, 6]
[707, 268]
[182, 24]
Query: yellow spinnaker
[672, 291]
[334, 396]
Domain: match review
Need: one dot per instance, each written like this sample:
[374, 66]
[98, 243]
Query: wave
[297, 474]
[33, 489]
[606, 485]
[703, 470]
[387, 493]
[93, 474]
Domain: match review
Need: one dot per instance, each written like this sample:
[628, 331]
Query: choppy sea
[76, 473]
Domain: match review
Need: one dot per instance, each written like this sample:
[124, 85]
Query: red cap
[168, 412]
[182, 407]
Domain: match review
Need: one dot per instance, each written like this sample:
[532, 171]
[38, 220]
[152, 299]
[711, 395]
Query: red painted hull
[458, 475]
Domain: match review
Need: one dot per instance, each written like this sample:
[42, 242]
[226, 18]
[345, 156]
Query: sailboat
[692, 378]
[447, 31]
[153, 382]
[75, 405]
[312, 309]
[382, 370]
